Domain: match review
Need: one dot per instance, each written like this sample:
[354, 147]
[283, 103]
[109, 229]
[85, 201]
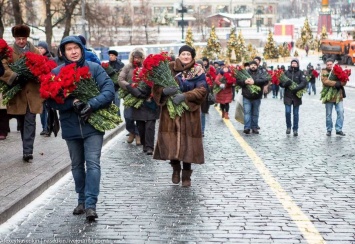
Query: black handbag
[211, 99]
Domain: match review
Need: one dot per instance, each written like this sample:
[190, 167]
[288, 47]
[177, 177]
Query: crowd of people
[200, 83]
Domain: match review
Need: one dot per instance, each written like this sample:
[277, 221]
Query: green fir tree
[270, 49]
[296, 54]
[306, 34]
[213, 48]
[240, 52]
[232, 46]
[324, 34]
[251, 52]
[189, 40]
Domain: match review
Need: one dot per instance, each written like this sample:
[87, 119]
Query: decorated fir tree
[251, 52]
[232, 46]
[240, 51]
[284, 51]
[270, 49]
[189, 40]
[324, 34]
[306, 34]
[213, 47]
[315, 45]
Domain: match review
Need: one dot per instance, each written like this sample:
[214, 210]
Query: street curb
[21, 202]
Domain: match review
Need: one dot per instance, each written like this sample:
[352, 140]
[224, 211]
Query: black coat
[296, 75]
[312, 78]
[116, 65]
[149, 109]
[260, 79]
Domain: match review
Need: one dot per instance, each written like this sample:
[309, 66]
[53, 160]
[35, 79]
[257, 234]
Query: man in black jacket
[252, 100]
[295, 75]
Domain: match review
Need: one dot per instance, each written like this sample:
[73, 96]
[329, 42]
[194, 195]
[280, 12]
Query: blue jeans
[44, 116]
[275, 90]
[295, 117]
[313, 86]
[251, 113]
[117, 102]
[87, 184]
[340, 116]
[203, 122]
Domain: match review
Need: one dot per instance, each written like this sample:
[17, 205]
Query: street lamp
[182, 11]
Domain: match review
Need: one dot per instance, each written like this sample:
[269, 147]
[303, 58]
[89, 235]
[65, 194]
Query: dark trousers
[186, 166]
[27, 124]
[224, 107]
[4, 122]
[146, 132]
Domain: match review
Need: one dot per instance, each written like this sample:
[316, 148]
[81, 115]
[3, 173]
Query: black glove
[2, 69]
[337, 85]
[169, 91]
[19, 80]
[179, 98]
[288, 83]
[134, 91]
[86, 112]
[78, 106]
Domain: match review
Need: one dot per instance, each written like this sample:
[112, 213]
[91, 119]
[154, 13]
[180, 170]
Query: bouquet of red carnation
[274, 79]
[156, 71]
[5, 51]
[242, 74]
[226, 79]
[137, 82]
[337, 74]
[111, 72]
[78, 82]
[315, 73]
[30, 66]
[283, 79]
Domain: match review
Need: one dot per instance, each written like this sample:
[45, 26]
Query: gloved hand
[86, 112]
[2, 69]
[19, 80]
[134, 91]
[337, 85]
[288, 83]
[169, 91]
[222, 86]
[178, 98]
[78, 106]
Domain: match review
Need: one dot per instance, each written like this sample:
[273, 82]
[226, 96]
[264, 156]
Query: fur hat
[138, 53]
[43, 45]
[82, 39]
[329, 60]
[205, 59]
[20, 31]
[187, 48]
[114, 52]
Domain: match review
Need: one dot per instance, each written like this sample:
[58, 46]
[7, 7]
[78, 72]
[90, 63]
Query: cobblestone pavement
[267, 188]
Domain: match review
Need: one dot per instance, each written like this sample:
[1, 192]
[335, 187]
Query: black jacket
[312, 78]
[116, 65]
[296, 75]
[260, 79]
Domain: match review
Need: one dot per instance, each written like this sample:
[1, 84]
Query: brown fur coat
[181, 138]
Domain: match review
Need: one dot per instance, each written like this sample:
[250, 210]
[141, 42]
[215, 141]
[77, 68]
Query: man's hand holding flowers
[86, 112]
[169, 91]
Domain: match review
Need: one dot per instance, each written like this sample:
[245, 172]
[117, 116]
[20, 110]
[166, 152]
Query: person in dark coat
[312, 80]
[252, 101]
[290, 99]
[59, 59]
[43, 49]
[89, 54]
[117, 66]
[225, 96]
[83, 140]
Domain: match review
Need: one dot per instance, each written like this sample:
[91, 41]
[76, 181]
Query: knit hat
[205, 59]
[114, 52]
[82, 39]
[329, 60]
[43, 45]
[295, 60]
[138, 53]
[200, 62]
[253, 62]
[20, 31]
[187, 48]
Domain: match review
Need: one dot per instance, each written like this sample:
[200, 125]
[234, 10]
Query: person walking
[281, 89]
[252, 101]
[147, 114]
[291, 99]
[43, 49]
[312, 80]
[117, 66]
[26, 103]
[180, 139]
[332, 102]
[136, 58]
[83, 140]
[224, 97]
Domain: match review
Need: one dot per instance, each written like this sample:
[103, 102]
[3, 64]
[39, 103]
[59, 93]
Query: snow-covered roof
[233, 16]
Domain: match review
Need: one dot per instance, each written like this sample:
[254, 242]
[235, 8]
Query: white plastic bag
[239, 110]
